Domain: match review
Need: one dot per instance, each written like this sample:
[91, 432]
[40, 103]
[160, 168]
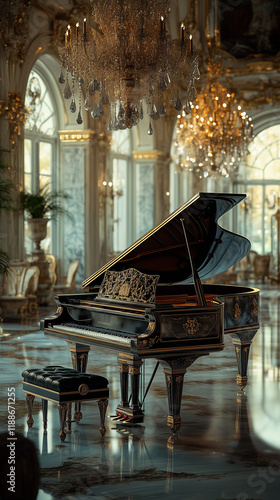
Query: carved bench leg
[78, 414]
[102, 404]
[29, 403]
[62, 408]
[69, 418]
[45, 412]
[79, 354]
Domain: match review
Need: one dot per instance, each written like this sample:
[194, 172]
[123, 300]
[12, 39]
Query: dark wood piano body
[171, 327]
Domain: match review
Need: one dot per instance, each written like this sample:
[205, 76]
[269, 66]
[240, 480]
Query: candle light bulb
[182, 32]
[191, 43]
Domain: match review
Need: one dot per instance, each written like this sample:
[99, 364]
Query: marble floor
[228, 446]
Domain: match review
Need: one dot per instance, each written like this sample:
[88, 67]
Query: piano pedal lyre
[124, 418]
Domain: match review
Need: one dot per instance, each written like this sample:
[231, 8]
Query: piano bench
[64, 386]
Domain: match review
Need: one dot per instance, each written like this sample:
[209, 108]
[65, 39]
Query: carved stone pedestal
[44, 292]
[37, 233]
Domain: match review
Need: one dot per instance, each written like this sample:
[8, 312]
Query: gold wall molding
[71, 136]
[153, 154]
[77, 135]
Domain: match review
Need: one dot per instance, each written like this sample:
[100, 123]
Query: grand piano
[149, 302]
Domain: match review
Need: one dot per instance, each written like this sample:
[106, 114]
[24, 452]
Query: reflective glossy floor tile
[227, 448]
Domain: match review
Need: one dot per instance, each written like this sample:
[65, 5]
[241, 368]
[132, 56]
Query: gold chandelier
[124, 57]
[213, 133]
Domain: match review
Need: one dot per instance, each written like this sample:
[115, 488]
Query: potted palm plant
[40, 207]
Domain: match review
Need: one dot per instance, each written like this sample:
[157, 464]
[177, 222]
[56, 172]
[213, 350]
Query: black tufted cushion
[60, 379]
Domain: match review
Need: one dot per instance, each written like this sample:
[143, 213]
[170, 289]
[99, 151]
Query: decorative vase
[37, 231]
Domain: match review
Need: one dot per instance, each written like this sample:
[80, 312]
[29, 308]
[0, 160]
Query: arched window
[39, 144]
[261, 183]
[132, 190]
[121, 170]
[179, 179]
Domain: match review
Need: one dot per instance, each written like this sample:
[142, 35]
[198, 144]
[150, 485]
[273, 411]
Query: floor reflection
[228, 446]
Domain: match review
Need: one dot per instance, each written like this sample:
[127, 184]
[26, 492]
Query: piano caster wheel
[171, 441]
[62, 435]
[78, 417]
[241, 381]
[174, 423]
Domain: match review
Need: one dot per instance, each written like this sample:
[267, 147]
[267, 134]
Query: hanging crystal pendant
[192, 93]
[172, 98]
[79, 119]
[154, 113]
[187, 107]
[161, 108]
[81, 80]
[110, 119]
[196, 73]
[150, 129]
[95, 112]
[135, 116]
[105, 98]
[73, 106]
[100, 108]
[96, 84]
[141, 114]
[115, 125]
[91, 89]
[178, 106]
[109, 128]
[134, 119]
[67, 91]
[121, 113]
[87, 104]
[61, 78]
[122, 125]
[163, 84]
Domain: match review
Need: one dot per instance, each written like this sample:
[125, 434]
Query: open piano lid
[163, 250]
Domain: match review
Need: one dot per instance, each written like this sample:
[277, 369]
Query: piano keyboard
[95, 332]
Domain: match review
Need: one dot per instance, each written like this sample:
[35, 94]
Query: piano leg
[79, 354]
[123, 369]
[242, 343]
[130, 366]
[175, 369]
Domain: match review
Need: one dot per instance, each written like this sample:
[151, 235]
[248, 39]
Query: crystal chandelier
[213, 133]
[124, 57]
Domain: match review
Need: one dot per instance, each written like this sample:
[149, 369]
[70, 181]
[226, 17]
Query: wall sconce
[273, 200]
[15, 112]
[107, 191]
